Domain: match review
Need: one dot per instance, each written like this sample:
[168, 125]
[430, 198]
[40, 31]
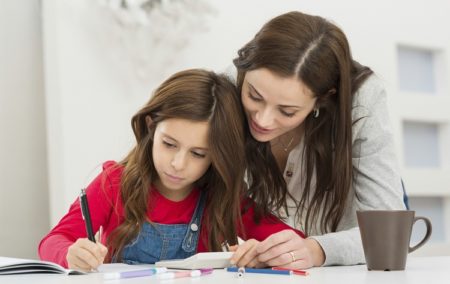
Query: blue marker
[134, 273]
[258, 270]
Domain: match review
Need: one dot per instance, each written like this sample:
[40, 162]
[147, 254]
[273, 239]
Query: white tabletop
[421, 270]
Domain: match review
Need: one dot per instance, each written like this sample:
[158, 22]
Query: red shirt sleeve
[103, 196]
[267, 225]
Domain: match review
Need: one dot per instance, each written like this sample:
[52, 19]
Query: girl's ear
[148, 121]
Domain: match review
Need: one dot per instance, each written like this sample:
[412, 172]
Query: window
[421, 144]
[416, 70]
[432, 208]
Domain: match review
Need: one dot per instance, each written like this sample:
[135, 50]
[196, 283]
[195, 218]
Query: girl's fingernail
[232, 262]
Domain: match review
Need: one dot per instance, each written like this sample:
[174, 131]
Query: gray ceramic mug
[386, 237]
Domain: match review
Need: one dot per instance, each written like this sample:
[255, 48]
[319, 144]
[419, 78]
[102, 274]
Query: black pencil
[86, 215]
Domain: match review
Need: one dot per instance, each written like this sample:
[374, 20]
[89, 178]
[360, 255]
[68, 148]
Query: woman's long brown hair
[317, 53]
[196, 95]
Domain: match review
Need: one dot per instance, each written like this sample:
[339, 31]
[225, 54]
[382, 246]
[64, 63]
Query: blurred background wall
[72, 73]
[24, 196]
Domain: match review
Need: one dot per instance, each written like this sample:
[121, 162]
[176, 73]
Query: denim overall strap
[157, 241]
[190, 241]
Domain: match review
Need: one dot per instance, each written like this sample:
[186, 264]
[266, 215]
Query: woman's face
[274, 105]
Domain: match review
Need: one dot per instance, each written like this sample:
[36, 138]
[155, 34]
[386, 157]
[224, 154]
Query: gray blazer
[377, 184]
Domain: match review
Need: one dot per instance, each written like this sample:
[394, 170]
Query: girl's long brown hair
[317, 53]
[196, 95]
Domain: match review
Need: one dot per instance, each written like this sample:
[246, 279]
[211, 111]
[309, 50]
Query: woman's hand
[287, 249]
[245, 254]
[86, 255]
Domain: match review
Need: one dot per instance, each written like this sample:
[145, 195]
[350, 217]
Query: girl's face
[181, 156]
[274, 105]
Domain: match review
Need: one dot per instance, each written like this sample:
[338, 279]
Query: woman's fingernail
[232, 262]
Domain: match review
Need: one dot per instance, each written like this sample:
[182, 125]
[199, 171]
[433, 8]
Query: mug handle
[427, 235]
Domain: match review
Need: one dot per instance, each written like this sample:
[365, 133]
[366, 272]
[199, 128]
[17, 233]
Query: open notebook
[10, 265]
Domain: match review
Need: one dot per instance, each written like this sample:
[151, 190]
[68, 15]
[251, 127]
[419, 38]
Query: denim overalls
[157, 242]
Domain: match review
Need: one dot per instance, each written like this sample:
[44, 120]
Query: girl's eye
[198, 155]
[168, 144]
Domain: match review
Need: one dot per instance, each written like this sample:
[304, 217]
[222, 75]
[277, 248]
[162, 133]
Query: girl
[177, 192]
[322, 123]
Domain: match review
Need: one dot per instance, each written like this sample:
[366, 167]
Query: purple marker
[134, 273]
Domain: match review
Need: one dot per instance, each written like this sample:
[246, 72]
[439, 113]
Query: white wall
[23, 159]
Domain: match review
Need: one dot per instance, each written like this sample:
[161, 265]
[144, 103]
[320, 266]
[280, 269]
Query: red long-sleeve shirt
[106, 208]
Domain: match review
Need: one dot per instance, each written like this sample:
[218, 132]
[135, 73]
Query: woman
[320, 120]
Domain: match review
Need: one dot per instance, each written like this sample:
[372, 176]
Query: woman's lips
[258, 128]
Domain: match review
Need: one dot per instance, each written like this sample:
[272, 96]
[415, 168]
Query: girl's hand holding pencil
[86, 255]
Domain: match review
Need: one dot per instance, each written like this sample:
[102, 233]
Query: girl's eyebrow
[283, 106]
[201, 148]
[175, 140]
[168, 136]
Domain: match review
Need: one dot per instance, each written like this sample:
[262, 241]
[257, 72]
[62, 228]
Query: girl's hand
[287, 249]
[86, 255]
[245, 254]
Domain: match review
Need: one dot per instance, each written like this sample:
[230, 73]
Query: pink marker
[189, 273]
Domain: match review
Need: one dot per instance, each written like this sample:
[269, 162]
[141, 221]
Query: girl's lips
[174, 178]
[258, 128]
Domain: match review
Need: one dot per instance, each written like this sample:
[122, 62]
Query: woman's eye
[198, 155]
[288, 114]
[254, 98]
[168, 144]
